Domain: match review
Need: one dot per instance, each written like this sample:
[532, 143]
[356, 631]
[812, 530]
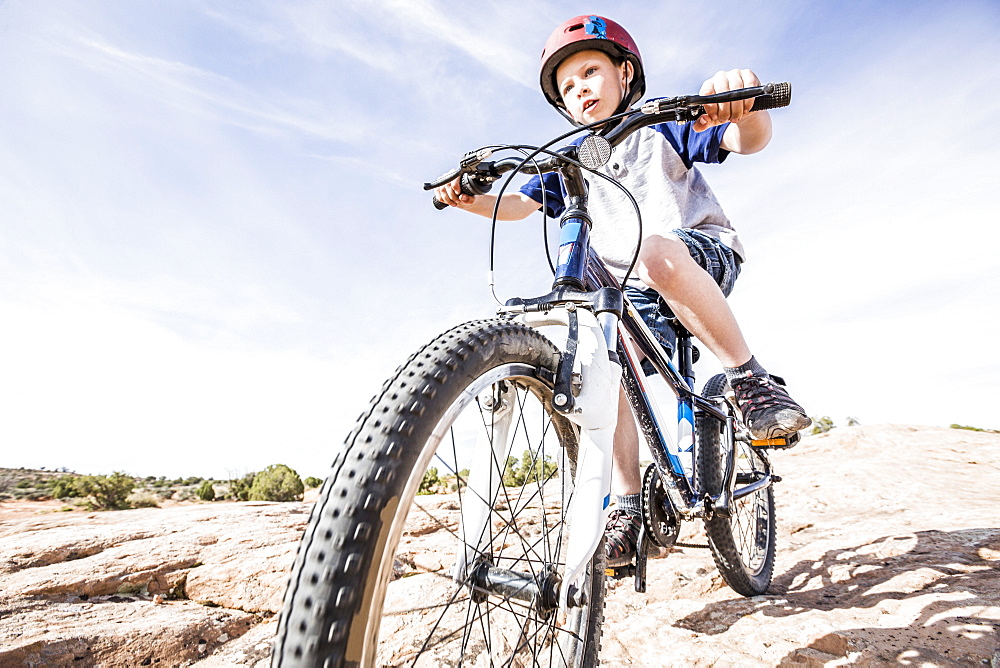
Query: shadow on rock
[933, 594]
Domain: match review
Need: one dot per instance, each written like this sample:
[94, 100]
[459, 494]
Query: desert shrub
[429, 482]
[460, 481]
[510, 474]
[144, 500]
[239, 488]
[107, 492]
[312, 482]
[821, 425]
[207, 491]
[968, 428]
[528, 470]
[277, 483]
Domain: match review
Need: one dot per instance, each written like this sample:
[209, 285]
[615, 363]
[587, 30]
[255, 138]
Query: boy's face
[590, 85]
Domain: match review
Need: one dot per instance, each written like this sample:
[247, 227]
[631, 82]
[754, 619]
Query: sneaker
[621, 537]
[768, 411]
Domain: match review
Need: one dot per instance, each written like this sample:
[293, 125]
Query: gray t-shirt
[656, 165]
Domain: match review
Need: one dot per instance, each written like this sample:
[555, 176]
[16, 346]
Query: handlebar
[478, 175]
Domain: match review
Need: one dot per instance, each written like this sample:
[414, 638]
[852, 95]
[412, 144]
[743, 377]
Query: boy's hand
[727, 112]
[451, 194]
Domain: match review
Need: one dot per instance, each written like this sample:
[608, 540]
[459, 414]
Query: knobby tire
[365, 571]
[743, 544]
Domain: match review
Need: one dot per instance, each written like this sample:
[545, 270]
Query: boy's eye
[567, 89]
[590, 70]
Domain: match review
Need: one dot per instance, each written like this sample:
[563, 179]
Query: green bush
[239, 488]
[312, 482]
[429, 481]
[107, 492]
[461, 480]
[207, 491]
[529, 470]
[967, 427]
[821, 425]
[66, 487]
[277, 483]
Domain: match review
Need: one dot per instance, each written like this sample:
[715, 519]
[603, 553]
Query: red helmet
[590, 32]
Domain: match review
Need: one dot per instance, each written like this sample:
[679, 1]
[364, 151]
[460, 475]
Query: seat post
[687, 354]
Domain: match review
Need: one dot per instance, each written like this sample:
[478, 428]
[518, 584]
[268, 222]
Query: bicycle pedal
[778, 443]
[620, 572]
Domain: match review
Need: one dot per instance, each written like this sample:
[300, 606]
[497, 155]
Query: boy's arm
[513, 206]
[748, 132]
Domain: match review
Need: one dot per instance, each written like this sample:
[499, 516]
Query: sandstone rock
[889, 553]
[114, 631]
[82, 588]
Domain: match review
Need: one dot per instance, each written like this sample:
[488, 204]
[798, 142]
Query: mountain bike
[513, 419]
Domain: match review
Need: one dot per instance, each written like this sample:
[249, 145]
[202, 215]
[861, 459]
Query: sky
[215, 246]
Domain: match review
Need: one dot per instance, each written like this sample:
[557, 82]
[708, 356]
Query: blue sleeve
[551, 186]
[694, 146]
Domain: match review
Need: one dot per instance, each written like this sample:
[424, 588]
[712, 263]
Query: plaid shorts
[718, 259]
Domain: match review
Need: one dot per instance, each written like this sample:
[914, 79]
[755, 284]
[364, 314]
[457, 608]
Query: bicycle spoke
[521, 537]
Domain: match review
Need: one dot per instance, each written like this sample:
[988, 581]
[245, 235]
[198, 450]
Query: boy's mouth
[588, 105]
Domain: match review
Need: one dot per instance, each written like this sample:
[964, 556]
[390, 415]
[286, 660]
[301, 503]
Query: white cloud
[195, 91]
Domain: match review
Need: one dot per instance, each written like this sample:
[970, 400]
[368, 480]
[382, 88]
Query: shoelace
[757, 393]
[624, 528]
[621, 520]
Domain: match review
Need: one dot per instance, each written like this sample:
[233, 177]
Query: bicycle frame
[605, 343]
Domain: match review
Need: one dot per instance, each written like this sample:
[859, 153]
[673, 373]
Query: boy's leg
[622, 530]
[666, 264]
[625, 477]
[696, 298]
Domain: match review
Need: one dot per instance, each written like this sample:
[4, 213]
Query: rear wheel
[375, 581]
[743, 544]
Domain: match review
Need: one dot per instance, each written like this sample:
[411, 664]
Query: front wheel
[743, 544]
[388, 574]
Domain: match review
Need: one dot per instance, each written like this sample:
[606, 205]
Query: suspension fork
[595, 411]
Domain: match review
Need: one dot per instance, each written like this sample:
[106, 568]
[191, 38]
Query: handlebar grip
[470, 186]
[781, 96]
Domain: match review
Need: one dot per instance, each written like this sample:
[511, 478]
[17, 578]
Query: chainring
[658, 515]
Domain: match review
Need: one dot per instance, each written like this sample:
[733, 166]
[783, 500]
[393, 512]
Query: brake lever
[478, 180]
[675, 109]
[469, 162]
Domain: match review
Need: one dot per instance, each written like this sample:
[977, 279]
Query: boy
[690, 255]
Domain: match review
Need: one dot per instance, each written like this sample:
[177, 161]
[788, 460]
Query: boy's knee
[661, 257]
